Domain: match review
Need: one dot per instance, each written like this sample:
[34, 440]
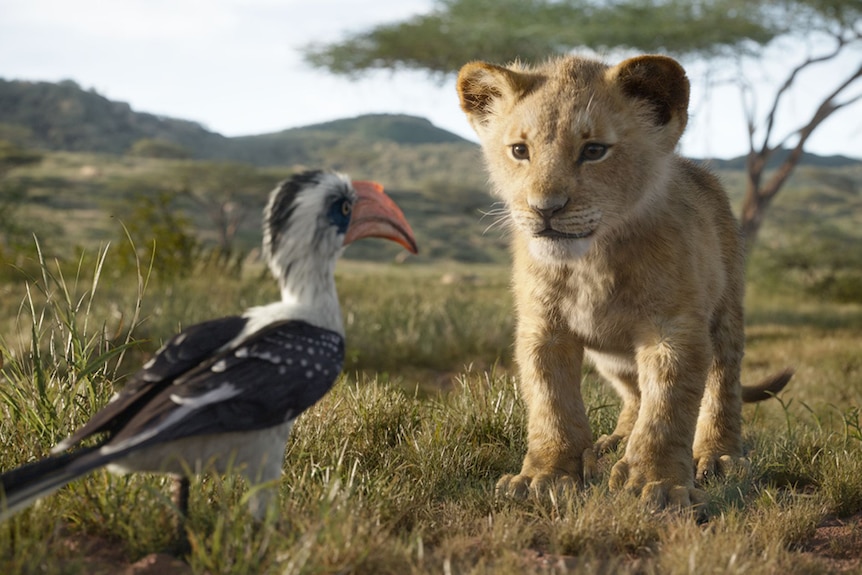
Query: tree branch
[788, 83]
[827, 108]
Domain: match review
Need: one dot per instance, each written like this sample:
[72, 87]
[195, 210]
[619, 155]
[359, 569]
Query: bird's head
[313, 215]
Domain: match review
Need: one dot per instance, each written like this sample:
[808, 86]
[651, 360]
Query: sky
[235, 66]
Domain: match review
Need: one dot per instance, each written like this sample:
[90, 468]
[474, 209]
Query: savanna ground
[394, 471]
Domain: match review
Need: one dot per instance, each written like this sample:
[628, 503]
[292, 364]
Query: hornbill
[223, 394]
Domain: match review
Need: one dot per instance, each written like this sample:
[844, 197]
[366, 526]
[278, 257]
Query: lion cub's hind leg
[672, 368]
[718, 439]
[620, 372]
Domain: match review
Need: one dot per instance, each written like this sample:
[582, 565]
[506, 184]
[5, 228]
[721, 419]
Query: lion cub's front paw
[540, 482]
[520, 486]
[655, 494]
[711, 466]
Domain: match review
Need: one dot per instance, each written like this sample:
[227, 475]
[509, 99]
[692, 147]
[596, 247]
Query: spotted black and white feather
[225, 393]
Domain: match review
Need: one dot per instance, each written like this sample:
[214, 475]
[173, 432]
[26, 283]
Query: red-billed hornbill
[224, 394]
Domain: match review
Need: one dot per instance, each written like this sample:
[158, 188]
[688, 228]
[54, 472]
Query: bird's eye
[520, 151]
[339, 214]
[592, 152]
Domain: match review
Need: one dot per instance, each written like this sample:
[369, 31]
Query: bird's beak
[375, 215]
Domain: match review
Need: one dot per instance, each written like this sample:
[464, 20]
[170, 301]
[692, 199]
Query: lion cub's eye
[593, 152]
[520, 151]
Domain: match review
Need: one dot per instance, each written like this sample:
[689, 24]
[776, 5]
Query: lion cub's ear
[661, 82]
[482, 87]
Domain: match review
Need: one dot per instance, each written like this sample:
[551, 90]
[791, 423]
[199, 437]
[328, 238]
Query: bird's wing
[178, 356]
[268, 379]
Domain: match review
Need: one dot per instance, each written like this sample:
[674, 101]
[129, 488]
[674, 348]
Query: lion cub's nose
[548, 208]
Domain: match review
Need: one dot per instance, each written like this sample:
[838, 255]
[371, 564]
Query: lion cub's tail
[767, 387]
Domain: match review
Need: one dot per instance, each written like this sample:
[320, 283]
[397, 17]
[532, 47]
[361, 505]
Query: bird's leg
[180, 496]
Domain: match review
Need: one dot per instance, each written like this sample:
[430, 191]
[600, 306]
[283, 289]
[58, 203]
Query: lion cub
[624, 253]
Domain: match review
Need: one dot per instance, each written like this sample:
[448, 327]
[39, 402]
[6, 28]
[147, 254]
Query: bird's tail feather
[22, 486]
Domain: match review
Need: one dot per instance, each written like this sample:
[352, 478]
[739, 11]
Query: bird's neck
[308, 288]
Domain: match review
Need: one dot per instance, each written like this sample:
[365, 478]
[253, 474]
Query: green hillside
[101, 160]
[78, 200]
[344, 142]
[64, 116]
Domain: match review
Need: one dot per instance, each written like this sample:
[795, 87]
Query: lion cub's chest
[596, 308]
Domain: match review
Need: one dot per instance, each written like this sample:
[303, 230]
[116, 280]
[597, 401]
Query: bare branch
[827, 108]
[788, 83]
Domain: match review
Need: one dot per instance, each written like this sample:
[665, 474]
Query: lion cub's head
[576, 147]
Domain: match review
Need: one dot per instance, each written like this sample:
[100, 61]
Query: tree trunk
[759, 195]
[753, 205]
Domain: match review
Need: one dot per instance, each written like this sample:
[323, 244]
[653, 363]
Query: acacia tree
[718, 31]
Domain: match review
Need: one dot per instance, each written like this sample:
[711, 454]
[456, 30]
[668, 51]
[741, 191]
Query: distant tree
[719, 31]
[226, 192]
[156, 148]
[457, 31]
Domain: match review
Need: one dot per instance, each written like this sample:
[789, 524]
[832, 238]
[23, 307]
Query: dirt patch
[837, 544]
[158, 564]
[99, 556]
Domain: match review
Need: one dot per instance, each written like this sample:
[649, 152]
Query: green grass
[394, 470]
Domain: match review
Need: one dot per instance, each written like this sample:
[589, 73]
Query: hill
[397, 128]
[65, 117]
[315, 144]
[779, 156]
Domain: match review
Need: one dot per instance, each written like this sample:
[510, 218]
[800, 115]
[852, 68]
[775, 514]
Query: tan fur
[627, 255]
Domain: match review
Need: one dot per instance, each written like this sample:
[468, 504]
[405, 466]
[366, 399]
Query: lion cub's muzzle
[561, 234]
[561, 222]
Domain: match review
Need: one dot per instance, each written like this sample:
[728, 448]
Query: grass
[393, 471]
